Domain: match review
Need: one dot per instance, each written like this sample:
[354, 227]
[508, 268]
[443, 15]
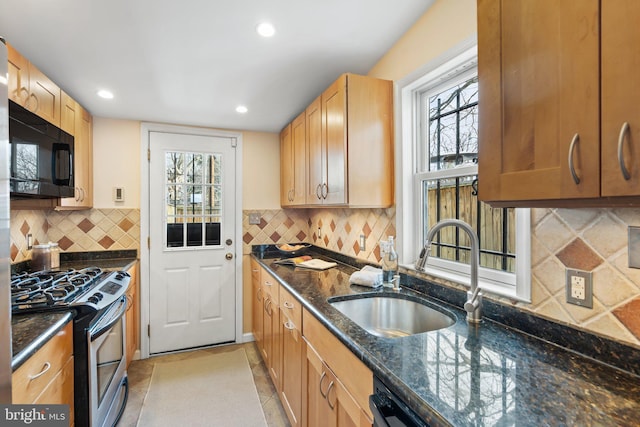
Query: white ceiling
[193, 61]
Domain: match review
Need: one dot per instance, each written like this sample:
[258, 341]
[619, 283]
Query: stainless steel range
[99, 301]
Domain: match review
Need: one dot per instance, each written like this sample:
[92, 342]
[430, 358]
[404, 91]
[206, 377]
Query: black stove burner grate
[44, 289]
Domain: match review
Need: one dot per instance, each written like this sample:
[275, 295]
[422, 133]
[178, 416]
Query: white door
[191, 227]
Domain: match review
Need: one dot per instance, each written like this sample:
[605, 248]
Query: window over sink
[439, 175]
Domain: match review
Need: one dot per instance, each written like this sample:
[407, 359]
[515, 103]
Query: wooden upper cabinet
[334, 142]
[538, 67]
[18, 76]
[315, 174]
[349, 144]
[299, 157]
[82, 164]
[69, 111]
[293, 162]
[30, 88]
[286, 167]
[619, 97]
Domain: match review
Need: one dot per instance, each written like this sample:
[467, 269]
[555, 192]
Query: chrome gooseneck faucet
[473, 305]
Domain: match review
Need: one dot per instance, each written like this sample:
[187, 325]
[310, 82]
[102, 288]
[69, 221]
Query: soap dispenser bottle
[389, 262]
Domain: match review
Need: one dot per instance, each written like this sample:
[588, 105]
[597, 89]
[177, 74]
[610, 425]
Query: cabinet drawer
[54, 354]
[352, 372]
[270, 286]
[291, 307]
[255, 270]
[60, 389]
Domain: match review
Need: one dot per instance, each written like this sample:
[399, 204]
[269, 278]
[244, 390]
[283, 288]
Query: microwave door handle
[59, 151]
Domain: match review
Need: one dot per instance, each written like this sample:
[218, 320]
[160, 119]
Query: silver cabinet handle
[266, 282]
[327, 397]
[623, 131]
[318, 192]
[572, 147]
[324, 373]
[290, 326]
[325, 190]
[44, 370]
[288, 305]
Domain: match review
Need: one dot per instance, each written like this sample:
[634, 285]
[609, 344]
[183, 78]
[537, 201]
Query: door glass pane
[174, 167]
[193, 197]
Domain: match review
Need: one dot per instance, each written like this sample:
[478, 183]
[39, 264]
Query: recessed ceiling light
[265, 29]
[241, 109]
[103, 93]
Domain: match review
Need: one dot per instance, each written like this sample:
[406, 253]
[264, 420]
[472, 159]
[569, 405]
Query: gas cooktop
[51, 290]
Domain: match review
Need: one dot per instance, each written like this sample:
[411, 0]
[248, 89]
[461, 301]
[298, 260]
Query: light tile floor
[140, 375]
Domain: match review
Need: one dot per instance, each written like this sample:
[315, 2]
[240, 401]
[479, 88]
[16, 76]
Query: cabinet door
[315, 175]
[68, 113]
[299, 159]
[82, 164]
[286, 167]
[538, 63]
[44, 96]
[257, 305]
[334, 139]
[291, 394]
[317, 379]
[132, 315]
[18, 77]
[620, 61]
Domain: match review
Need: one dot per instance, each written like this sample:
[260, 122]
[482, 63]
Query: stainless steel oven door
[107, 364]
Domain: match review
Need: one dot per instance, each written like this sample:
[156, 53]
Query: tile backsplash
[75, 231]
[587, 239]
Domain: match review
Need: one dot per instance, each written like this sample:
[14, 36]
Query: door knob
[229, 242]
[229, 255]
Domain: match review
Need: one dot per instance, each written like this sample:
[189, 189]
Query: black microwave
[41, 156]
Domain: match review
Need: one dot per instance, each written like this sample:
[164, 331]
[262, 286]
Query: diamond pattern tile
[85, 225]
[76, 230]
[106, 242]
[578, 255]
[629, 315]
[25, 228]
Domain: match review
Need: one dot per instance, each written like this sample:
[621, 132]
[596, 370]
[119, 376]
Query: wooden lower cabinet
[47, 376]
[291, 355]
[271, 327]
[320, 382]
[132, 316]
[257, 305]
[328, 403]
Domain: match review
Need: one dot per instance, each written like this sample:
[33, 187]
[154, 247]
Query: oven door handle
[99, 329]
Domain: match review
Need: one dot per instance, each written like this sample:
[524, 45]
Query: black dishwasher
[389, 411]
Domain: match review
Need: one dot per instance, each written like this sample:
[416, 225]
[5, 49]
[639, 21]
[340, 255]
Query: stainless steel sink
[393, 317]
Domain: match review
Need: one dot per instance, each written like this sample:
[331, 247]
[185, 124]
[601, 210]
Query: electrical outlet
[363, 242]
[319, 233]
[254, 218]
[579, 288]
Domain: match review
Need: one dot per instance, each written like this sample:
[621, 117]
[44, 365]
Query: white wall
[116, 162]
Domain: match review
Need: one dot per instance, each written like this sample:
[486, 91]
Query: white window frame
[458, 61]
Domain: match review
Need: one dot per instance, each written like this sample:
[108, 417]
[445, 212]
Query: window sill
[487, 283]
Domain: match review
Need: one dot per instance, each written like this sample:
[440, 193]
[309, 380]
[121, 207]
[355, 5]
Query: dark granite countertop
[463, 375]
[31, 331]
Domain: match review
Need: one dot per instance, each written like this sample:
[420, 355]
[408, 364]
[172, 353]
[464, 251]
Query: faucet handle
[472, 306]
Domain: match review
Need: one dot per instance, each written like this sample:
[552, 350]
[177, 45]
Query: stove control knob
[99, 296]
[93, 299]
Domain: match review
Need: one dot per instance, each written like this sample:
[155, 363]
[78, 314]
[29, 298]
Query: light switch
[118, 194]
